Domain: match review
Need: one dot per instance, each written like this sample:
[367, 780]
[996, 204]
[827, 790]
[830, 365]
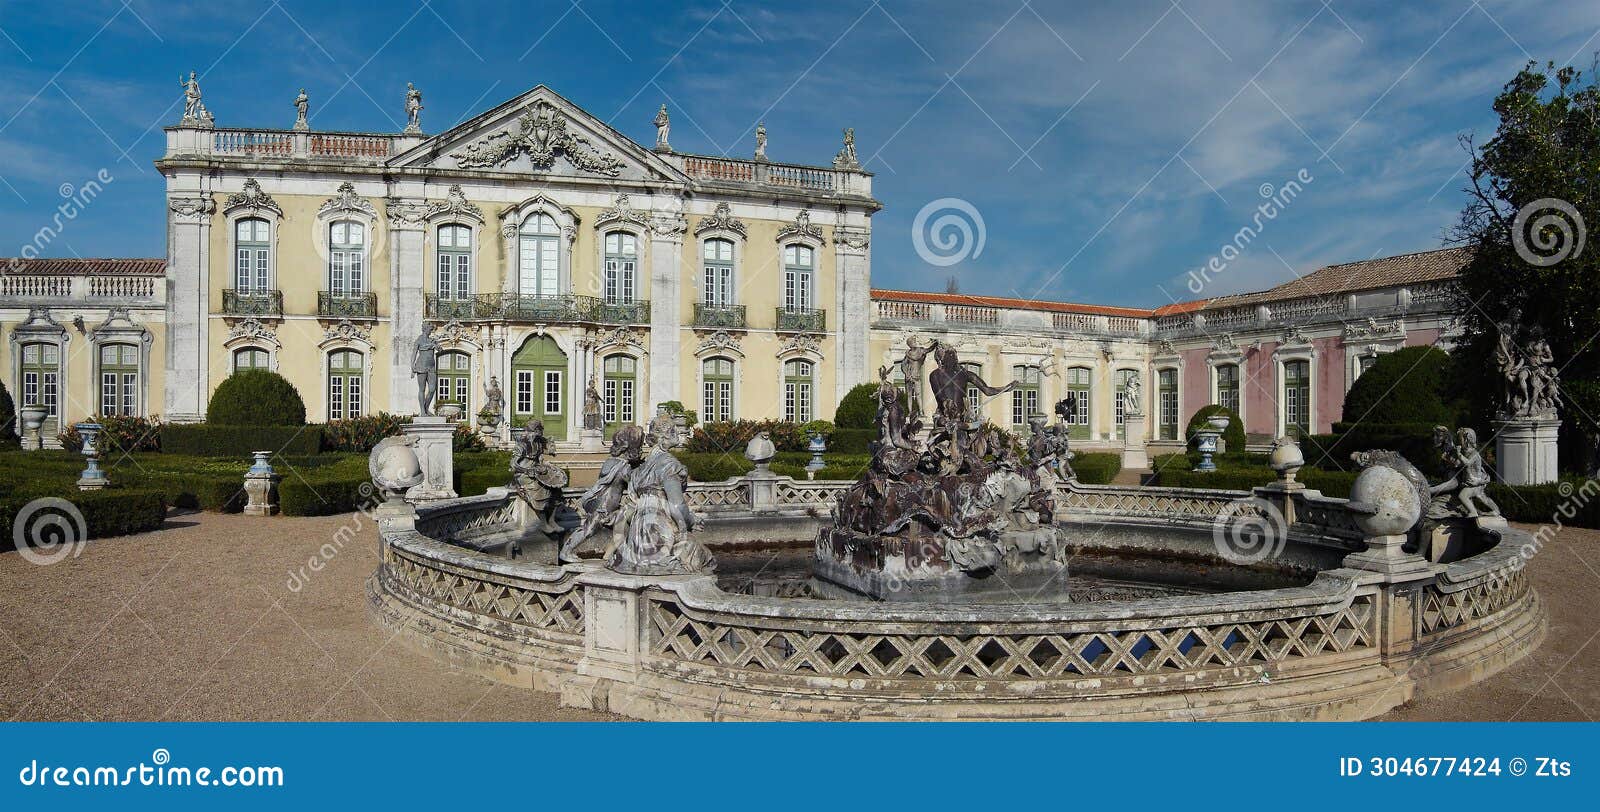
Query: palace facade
[548, 250]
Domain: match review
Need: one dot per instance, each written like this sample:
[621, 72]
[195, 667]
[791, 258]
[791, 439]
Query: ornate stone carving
[413, 110]
[801, 227]
[1531, 387]
[536, 482]
[1225, 343]
[347, 201]
[540, 133]
[192, 209]
[252, 329]
[621, 212]
[1166, 347]
[721, 220]
[195, 113]
[455, 204]
[345, 331]
[602, 503]
[618, 337]
[854, 238]
[800, 343]
[406, 215]
[846, 159]
[658, 539]
[1374, 329]
[721, 341]
[253, 198]
[668, 224]
[1294, 336]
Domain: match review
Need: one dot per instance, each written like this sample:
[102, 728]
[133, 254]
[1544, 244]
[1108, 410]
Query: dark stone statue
[1463, 493]
[1531, 387]
[536, 482]
[425, 367]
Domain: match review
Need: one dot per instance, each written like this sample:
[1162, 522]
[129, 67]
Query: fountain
[959, 578]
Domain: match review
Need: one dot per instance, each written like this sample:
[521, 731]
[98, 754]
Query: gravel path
[214, 619]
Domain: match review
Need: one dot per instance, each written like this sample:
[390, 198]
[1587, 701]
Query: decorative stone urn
[451, 412]
[816, 446]
[1286, 458]
[33, 416]
[93, 479]
[1206, 440]
[260, 486]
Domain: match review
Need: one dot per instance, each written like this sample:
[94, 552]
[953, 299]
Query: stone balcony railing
[729, 317]
[347, 305]
[122, 291]
[271, 144]
[520, 307]
[739, 172]
[1425, 297]
[892, 312]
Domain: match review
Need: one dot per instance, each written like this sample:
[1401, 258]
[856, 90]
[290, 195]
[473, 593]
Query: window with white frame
[974, 395]
[1228, 387]
[454, 274]
[617, 388]
[799, 262]
[539, 257]
[251, 358]
[716, 402]
[1025, 397]
[622, 267]
[1079, 386]
[553, 396]
[797, 391]
[252, 263]
[41, 376]
[119, 379]
[454, 380]
[347, 258]
[1167, 386]
[346, 394]
[1297, 397]
[718, 256]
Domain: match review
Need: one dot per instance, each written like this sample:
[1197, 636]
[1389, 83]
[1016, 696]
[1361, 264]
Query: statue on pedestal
[194, 110]
[761, 141]
[663, 124]
[1132, 403]
[413, 109]
[425, 367]
[846, 159]
[494, 404]
[537, 482]
[591, 406]
[601, 504]
[656, 527]
[302, 106]
[1531, 386]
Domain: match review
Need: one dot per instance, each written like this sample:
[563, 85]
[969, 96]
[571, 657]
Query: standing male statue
[1130, 395]
[950, 381]
[302, 107]
[413, 109]
[911, 370]
[425, 366]
[663, 124]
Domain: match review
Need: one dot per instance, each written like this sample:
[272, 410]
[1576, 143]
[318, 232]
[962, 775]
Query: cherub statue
[601, 504]
[1464, 492]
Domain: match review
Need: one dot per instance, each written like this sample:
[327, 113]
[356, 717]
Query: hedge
[256, 397]
[322, 491]
[1414, 441]
[1097, 468]
[213, 440]
[1409, 385]
[8, 416]
[852, 441]
[858, 409]
[1232, 436]
[109, 512]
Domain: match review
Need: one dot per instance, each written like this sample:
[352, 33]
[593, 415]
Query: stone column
[852, 267]
[407, 264]
[188, 307]
[666, 261]
[1525, 450]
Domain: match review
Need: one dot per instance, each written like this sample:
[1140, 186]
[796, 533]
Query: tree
[1535, 187]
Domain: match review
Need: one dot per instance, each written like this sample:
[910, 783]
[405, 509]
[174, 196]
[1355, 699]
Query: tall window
[455, 380]
[798, 263]
[347, 258]
[251, 358]
[41, 376]
[974, 397]
[622, 266]
[797, 389]
[1078, 388]
[455, 262]
[617, 390]
[119, 379]
[1228, 387]
[1024, 398]
[1168, 386]
[345, 393]
[539, 260]
[252, 263]
[1120, 406]
[716, 402]
[718, 256]
[1297, 396]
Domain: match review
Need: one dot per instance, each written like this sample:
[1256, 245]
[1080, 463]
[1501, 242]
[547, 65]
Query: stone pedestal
[763, 488]
[432, 435]
[591, 441]
[32, 420]
[260, 486]
[1134, 457]
[1384, 555]
[1525, 450]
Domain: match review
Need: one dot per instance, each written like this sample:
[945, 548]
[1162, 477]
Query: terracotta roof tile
[1406, 269]
[86, 267]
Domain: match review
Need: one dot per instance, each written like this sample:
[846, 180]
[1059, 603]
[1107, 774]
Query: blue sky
[1109, 148]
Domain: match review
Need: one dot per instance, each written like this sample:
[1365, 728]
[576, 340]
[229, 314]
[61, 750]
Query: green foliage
[256, 397]
[360, 434]
[859, 407]
[1243, 472]
[118, 435]
[714, 466]
[8, 416]
[1414, 441]
[208, 440]
[852, 441]
[339, 487]
[1097, 468]
[731, 436]
[1409, 385]
[822, 427]
[466, 440]
[676, 408]
[1232, 436]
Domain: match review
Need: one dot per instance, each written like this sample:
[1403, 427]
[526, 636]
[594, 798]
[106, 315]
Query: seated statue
[537, 482]
[1464, 492]
[655, 527]
[601, 504]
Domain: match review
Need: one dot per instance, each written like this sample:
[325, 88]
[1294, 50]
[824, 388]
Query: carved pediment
[721, 220]
[622, 212]
[801, 227]
[455, 204]
[347, 202]
[253, 198]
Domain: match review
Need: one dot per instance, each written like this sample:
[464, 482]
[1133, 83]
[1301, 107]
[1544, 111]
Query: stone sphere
[394, 465]
[1395, 497]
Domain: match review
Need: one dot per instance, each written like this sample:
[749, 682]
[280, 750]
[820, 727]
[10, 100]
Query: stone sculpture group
[1531, 385]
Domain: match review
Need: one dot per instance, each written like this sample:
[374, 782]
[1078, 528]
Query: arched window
[455, 380]
[119, 379]
[1167, 381]
[617, 389]
[41, 377]
[1079, 387]
[718, 256]
[1121, 405]
[347, 263]
[252, 263]
[797, 390]
[539, 257]
[717, 398]
[1297, 396]
[1024, 398]
[799, 262]
[1228, 386]
[974, 397]
[454, 278]
[622, 267]
[346, 394]
[251, 358]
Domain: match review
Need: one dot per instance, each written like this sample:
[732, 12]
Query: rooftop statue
[413, 109]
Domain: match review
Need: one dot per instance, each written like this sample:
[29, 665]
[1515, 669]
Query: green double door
[539, 386]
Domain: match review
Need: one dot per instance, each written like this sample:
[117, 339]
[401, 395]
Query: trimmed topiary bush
[852, 441]
[859, 407]
[1097, 468]
[1232, 436]
[256, 397]
[1410, 385]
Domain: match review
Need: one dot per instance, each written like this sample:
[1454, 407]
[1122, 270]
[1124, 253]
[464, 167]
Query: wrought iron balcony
[347, 306]
[451, 309]
[724, 316]
[558, 308]
[252, 302]
[796, 320]
[604, 312]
